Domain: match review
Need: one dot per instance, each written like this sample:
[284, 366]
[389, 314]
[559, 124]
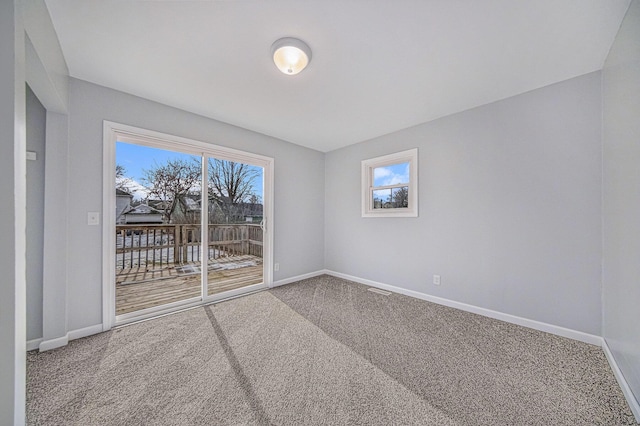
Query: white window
[390, 185]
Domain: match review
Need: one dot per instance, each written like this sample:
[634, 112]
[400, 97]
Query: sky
[391, 175]
[136, 158]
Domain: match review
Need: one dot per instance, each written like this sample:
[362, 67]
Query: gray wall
[47, 71]
[36, 131]
[621, 195]
[509, 208]
[47, 75]
[299, 185]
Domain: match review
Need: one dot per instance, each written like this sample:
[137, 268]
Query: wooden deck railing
[167, 245]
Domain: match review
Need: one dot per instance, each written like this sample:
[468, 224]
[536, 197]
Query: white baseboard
[47, 345]
[298, 278]
[84, 332]
[536, 325]
[634, 404]
[33, 344]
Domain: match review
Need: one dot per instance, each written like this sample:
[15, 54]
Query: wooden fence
[168, 245]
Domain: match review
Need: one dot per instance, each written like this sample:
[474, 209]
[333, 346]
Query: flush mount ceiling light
[290, 55]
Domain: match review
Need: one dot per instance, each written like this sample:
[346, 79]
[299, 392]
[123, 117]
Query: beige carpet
[323, 351]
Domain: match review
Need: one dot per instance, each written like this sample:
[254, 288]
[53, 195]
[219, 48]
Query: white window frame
[410, 156]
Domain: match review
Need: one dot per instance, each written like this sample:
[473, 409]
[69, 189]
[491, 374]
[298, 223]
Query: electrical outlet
[276, 266]
[436, 279]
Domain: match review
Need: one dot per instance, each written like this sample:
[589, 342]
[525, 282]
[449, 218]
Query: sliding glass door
[189, 225]
[236, 214]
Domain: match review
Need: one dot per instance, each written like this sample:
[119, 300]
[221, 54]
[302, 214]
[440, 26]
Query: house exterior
[123, 205]
[251, 212]
[187, 209]
[143, 214]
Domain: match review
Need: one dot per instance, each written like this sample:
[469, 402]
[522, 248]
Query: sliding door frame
[114, 132]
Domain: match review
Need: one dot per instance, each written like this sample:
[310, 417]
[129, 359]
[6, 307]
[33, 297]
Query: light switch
[93, 218]
[32, 155]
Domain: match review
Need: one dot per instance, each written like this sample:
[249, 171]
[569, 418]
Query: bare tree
[254, 199]
[120, 171]
[170, 181]
[230, 184]
[123, 183]
[401, 197]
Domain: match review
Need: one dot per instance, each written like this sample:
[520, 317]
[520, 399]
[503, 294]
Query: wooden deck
[141, 288]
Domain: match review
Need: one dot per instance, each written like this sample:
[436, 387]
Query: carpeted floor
[323, 351]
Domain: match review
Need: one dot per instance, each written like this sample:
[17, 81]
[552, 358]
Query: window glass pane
[235, 238]
[400, 197]
[382, 199]
[158, 244]
[393, 174]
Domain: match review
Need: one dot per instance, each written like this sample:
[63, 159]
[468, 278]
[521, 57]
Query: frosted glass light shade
[290, 55]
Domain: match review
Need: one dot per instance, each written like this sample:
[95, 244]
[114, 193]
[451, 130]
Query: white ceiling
[377, 66]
